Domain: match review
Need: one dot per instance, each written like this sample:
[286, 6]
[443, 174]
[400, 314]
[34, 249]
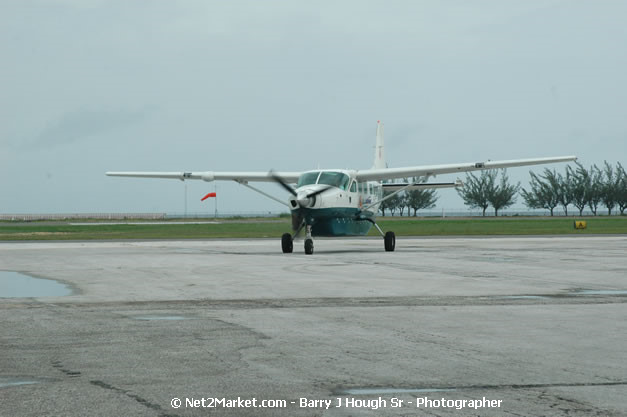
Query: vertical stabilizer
[379, 150]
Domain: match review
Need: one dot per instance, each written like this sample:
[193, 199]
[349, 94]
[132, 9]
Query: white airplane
[338, 202]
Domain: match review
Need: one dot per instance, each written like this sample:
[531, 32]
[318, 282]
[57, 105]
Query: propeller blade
[320, 191]
[282, 183]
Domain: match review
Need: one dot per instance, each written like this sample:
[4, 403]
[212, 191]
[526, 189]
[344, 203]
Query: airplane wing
[242, 177]
[380, 174]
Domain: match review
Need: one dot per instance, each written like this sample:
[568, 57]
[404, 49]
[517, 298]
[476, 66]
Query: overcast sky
[90, 86]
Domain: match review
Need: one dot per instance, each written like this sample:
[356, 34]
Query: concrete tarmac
[537, 323]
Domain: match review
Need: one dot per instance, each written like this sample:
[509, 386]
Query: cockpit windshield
[336, 179]
[308, 178]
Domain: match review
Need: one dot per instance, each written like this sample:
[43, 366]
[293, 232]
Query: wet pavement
[537, 323]
[14, 284]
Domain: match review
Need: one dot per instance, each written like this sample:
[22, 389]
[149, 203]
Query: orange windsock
[207, 196]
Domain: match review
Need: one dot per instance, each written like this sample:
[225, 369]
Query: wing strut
[245, 184]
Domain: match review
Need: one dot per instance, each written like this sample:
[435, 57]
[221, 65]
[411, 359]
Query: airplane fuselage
[344, 209]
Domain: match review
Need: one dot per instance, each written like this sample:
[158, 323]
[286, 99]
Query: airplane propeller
[300, 201]
[320, 191]
[303, 201]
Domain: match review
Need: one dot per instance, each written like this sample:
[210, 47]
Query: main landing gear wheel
[286, 243]
[390, 241]
[308, 247]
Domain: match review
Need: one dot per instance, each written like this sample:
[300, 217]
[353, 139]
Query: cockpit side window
[308, 178]
[336, 179]
[354, 187]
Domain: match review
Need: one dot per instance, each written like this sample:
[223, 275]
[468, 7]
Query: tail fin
[379, 150]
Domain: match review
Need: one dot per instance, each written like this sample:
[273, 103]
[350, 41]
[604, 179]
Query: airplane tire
[390, 241]
[308, 247]
[286, 243]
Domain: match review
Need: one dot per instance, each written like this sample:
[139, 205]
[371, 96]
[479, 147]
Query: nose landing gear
[309, 247]
[287, 240]
[308, 241]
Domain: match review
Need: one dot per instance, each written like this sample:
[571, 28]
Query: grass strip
[254, 229]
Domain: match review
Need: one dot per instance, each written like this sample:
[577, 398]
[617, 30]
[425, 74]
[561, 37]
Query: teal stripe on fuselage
[338, 221]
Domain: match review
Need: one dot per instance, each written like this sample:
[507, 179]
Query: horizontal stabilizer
[421, 186]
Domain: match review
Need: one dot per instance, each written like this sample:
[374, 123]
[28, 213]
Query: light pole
[185, 198]
[215, 190]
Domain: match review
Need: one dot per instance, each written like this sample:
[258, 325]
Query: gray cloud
[254, 85]
[84, 125]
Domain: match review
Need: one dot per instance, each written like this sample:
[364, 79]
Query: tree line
[410, 200]
[577, 186]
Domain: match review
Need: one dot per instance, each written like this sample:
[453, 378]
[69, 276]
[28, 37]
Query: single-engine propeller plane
[339, 202]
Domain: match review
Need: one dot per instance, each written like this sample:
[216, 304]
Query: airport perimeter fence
[82, 216]
[512, 212]
[442, 213]
[439, 212]
[458, 212]
[226, 214]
